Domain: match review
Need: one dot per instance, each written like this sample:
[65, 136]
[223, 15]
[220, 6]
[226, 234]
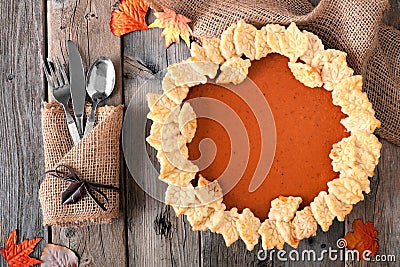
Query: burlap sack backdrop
[353, 26]
[95, 158]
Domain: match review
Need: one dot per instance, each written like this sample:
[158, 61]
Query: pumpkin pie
[324, 148]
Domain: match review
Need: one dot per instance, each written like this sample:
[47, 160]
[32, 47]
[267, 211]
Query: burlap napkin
[353, 26]
[95, 158]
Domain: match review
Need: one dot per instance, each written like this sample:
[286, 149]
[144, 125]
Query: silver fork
[60, 89]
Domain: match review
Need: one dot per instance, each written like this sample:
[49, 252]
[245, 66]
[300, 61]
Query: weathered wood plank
[381, 205]
[87, 24]
[21, 90]
[147, 247]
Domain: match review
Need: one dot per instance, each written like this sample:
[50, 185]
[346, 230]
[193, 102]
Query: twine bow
[79, 187]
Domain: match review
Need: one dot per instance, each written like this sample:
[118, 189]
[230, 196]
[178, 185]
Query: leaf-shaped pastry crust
[180, 196]
[334, 72]
[165, 165]
[177, 94]
[207, 68]
[227, 46]
[244, 37]
[286, 230]
[362, 121]
[177, 177]
[247, 226]
[162, 109]
[359, 175]
[284, 208]
[179, 210]
[211, 49]
[260, 44]
[187, 122]
[306, 75]
[197, 52]
[270, 235]
[216, 219]
[208, 193]
[234, 70]
[200, 61]
[352, 102]
[326, 56]
[314, 45]
[197, 216]
[304, 224]
[337, 207]
[275, 34]
[346, 190]
[168, 83]
[173, 144]
[321, 212]
[360, 149]
[349, 84]
[228, 227]
[294, 43]
[184, 74]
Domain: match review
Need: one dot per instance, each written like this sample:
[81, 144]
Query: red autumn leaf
[174, 25]
[130, 16]
[17, 255]
[54, 255]
[363, 237]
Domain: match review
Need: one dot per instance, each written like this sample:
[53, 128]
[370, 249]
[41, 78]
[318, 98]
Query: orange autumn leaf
[363, 237]
[17, 255]
[130, 16]
[174, 25]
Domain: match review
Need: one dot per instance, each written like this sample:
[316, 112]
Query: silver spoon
[100, 83]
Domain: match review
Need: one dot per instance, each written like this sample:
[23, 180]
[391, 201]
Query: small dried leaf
[363, 237]
[17, 255]
[174, 25]
[130, 16]
[54, 255]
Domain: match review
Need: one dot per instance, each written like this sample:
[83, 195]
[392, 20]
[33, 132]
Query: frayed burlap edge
[95, 158]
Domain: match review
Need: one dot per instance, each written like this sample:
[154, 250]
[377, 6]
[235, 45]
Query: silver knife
[78, 85]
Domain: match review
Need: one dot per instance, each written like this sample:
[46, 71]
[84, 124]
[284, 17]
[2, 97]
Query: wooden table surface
[32, 30]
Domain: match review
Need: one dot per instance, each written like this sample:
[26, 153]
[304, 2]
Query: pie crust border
[354, 157]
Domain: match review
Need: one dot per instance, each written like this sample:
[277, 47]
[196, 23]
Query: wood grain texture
[21, 90]
[146, 247]
[87, 24]
[381, 206]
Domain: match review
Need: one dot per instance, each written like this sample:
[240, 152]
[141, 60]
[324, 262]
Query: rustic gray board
[22, 43]
[27, 33]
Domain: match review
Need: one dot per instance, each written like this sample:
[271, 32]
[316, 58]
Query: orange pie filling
[307, 124]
